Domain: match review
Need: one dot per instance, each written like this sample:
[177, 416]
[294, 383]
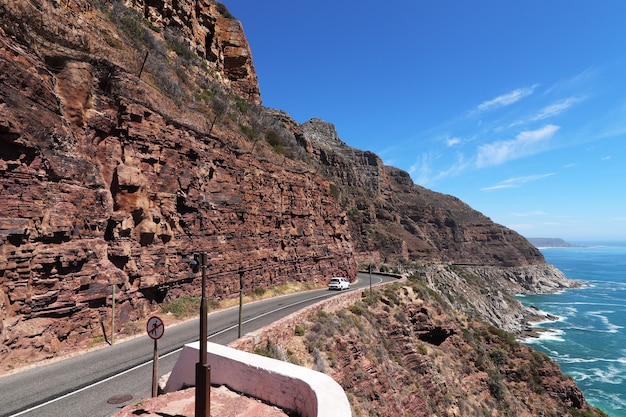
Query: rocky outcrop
[476, 265]
[130, 138]
[404, 222]
[400, 351]
[106, 184]
[129, 38]
[489, 292]
[211, 32]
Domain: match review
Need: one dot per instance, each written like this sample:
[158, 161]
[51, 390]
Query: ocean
[589, 338]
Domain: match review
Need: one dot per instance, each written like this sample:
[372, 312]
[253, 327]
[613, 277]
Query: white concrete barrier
[309, 393]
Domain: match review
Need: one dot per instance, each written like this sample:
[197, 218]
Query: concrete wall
[309, 393]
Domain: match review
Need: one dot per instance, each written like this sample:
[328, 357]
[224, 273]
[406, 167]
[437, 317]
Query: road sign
[155, 327]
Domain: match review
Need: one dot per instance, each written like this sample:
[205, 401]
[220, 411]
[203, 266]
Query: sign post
[155, 329]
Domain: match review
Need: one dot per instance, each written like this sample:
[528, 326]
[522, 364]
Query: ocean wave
[568, 359]
[596, 375]
[604, 400]
[610, 327]
[594, 329]
[611, 375]
[547, 320]
[584, 303]
[553, 335]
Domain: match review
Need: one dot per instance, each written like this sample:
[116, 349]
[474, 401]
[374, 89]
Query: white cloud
[516, 182]
[506, 99]
[420, 171]
[423, 174]
[574, 83]
[526, 143]
[531, 213]
[452, 141]
[556, 108]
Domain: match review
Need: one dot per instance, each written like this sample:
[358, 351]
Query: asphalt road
[101, 382]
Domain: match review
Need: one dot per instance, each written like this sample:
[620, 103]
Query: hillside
[131, 138]
[549, 242]
[404, 351]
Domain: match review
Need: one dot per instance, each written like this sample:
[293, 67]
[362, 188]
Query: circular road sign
[155, 327]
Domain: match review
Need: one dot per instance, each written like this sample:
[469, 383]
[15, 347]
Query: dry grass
[288, 288]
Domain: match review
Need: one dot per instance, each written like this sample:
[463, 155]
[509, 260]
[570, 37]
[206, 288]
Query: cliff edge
[132, 136]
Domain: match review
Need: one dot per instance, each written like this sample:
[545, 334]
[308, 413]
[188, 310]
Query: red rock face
[209, 31]
[130, 138]
[392, 219]
[104, 183]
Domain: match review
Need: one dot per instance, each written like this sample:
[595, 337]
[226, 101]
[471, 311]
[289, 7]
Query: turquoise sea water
[589, 339]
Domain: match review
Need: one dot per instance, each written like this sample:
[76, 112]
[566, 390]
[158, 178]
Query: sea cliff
[132, 136]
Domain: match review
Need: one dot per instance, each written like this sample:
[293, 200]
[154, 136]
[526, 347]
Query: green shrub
[505, 336]
[322, 316]
[247, 131]
[272, 138]
[496, 386]
[182, 307]
[358, 309]
[299, 330]
[221, 8]
[499, 356]
[241, 105]
[176, 42]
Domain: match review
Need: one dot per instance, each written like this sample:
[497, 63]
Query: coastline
[587, 337]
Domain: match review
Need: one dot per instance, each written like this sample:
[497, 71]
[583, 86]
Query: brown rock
[104, 182]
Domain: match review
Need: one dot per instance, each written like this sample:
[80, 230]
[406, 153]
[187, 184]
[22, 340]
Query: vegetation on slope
[399, 353]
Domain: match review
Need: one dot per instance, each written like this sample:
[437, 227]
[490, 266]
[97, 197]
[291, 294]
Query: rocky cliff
[110, 181]
[402, 221]
[402, 351]
[395, 224]
[132, 135]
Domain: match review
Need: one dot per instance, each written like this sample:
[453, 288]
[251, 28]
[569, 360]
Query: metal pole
[155, 369]
[143, 63]
[370, 280]
[203, 371]
[113, 315]
[240, 302]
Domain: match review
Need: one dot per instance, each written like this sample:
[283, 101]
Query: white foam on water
[555, 335]
[610, 375]
[610, 327]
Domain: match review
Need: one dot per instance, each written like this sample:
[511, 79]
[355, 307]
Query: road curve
[101, 382]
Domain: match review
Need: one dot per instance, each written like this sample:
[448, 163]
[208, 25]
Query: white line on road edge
[69, 394]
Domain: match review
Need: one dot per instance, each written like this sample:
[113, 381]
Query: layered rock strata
[107, 187]
[130, 138]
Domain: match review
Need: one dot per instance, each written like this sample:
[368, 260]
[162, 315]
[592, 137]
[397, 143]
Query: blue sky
[518, 108]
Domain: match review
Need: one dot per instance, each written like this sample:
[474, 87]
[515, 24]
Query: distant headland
[550, 242]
